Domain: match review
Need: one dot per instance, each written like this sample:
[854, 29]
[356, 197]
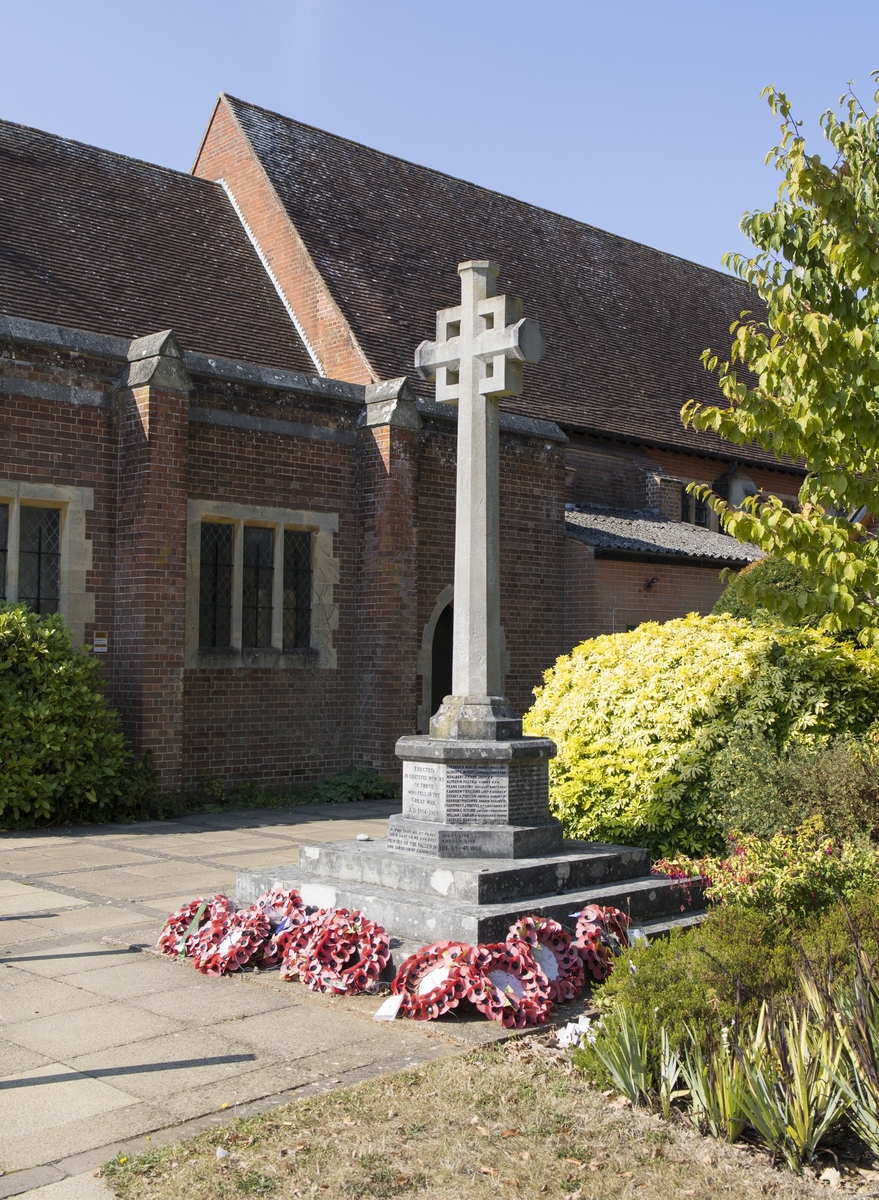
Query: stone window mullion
[278, 590]
[237, 584]
[12, 572]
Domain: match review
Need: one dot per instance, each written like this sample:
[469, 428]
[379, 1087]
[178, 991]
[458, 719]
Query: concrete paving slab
[60, 1140]
[230, 1001]
[125, 885]
[231, 1093]
[76, 1187]
[23, 1183]
[88, 920]
[211, 841]
[35, 839]
[16, 1059]
[255, 860]
[23, 929]
[163, 906]
[301, 1032]
[18, 899]
[156, 1069]
[164, 1041]
[141, 975]
[23, 995]
[72, 958]
[60, 859]
[158, 871]
[89, 1029]
[53, 1094]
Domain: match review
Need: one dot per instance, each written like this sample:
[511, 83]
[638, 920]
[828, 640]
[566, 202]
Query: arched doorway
[441, 659]
[435, 658]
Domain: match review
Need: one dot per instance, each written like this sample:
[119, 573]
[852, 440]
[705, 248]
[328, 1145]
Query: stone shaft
[477, 357]
[477, 667]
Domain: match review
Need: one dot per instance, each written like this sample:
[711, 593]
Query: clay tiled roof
[97, 241]
[625, 324]
[638, 532]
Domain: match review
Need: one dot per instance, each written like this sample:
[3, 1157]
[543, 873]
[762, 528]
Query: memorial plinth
[469, 799]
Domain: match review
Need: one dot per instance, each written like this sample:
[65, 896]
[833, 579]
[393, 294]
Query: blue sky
[643, 118]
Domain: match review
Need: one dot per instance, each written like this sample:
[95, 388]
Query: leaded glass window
[39, 558]
[693, 510]
[215, 587]
[256, 606]
[4, 547]
[297, 589]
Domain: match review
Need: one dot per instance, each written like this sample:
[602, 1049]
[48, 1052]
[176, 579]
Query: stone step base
[440, 840]
[401, 948]
[487, 880]
[424, 918]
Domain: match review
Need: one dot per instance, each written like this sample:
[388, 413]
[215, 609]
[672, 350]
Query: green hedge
[63, 756]
[639, 718]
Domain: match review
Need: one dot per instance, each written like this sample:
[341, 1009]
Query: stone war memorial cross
[475, 846]
[475, 785]
[480, 348]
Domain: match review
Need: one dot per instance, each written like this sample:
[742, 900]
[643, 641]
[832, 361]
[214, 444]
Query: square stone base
[467, 799]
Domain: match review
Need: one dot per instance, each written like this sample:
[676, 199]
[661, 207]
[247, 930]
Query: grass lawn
[511, 1119]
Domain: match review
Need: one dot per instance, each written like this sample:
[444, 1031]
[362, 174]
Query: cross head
[482, 343]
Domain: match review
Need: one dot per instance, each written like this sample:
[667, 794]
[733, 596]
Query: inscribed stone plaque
[465, 844]
[422, 790]
[412, 841]
[477, 794]
[529, 793]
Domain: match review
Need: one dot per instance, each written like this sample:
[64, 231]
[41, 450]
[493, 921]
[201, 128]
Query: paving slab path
[105, 1049]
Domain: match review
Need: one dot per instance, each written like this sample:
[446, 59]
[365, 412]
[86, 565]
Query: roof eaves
[669, 558]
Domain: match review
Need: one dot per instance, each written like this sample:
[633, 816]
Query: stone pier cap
[431, 749]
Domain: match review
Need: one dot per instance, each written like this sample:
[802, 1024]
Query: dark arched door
[441, 659]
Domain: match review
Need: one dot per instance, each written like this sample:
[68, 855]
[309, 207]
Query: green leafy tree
[802, 377]
[767, 575]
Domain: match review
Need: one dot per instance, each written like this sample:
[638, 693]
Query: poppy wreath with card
[284, 910]
[337, 951]
[555, 954]
[435, 979]
[515, 990]
[224, 946]
[601, 935]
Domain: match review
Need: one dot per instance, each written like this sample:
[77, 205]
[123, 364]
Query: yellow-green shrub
[638, 717]
[61, 752]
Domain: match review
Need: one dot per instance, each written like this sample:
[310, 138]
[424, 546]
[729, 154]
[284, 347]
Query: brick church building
[214, 465]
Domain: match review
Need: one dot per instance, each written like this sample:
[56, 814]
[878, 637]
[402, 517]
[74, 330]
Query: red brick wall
[387, 592]
[226, 154]
[532, 482]
[267, 724]
[706, 470]
[150, 584]
[66, 445]
[608, 475]
[394, 494]
[607, 596]
[532, 561]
